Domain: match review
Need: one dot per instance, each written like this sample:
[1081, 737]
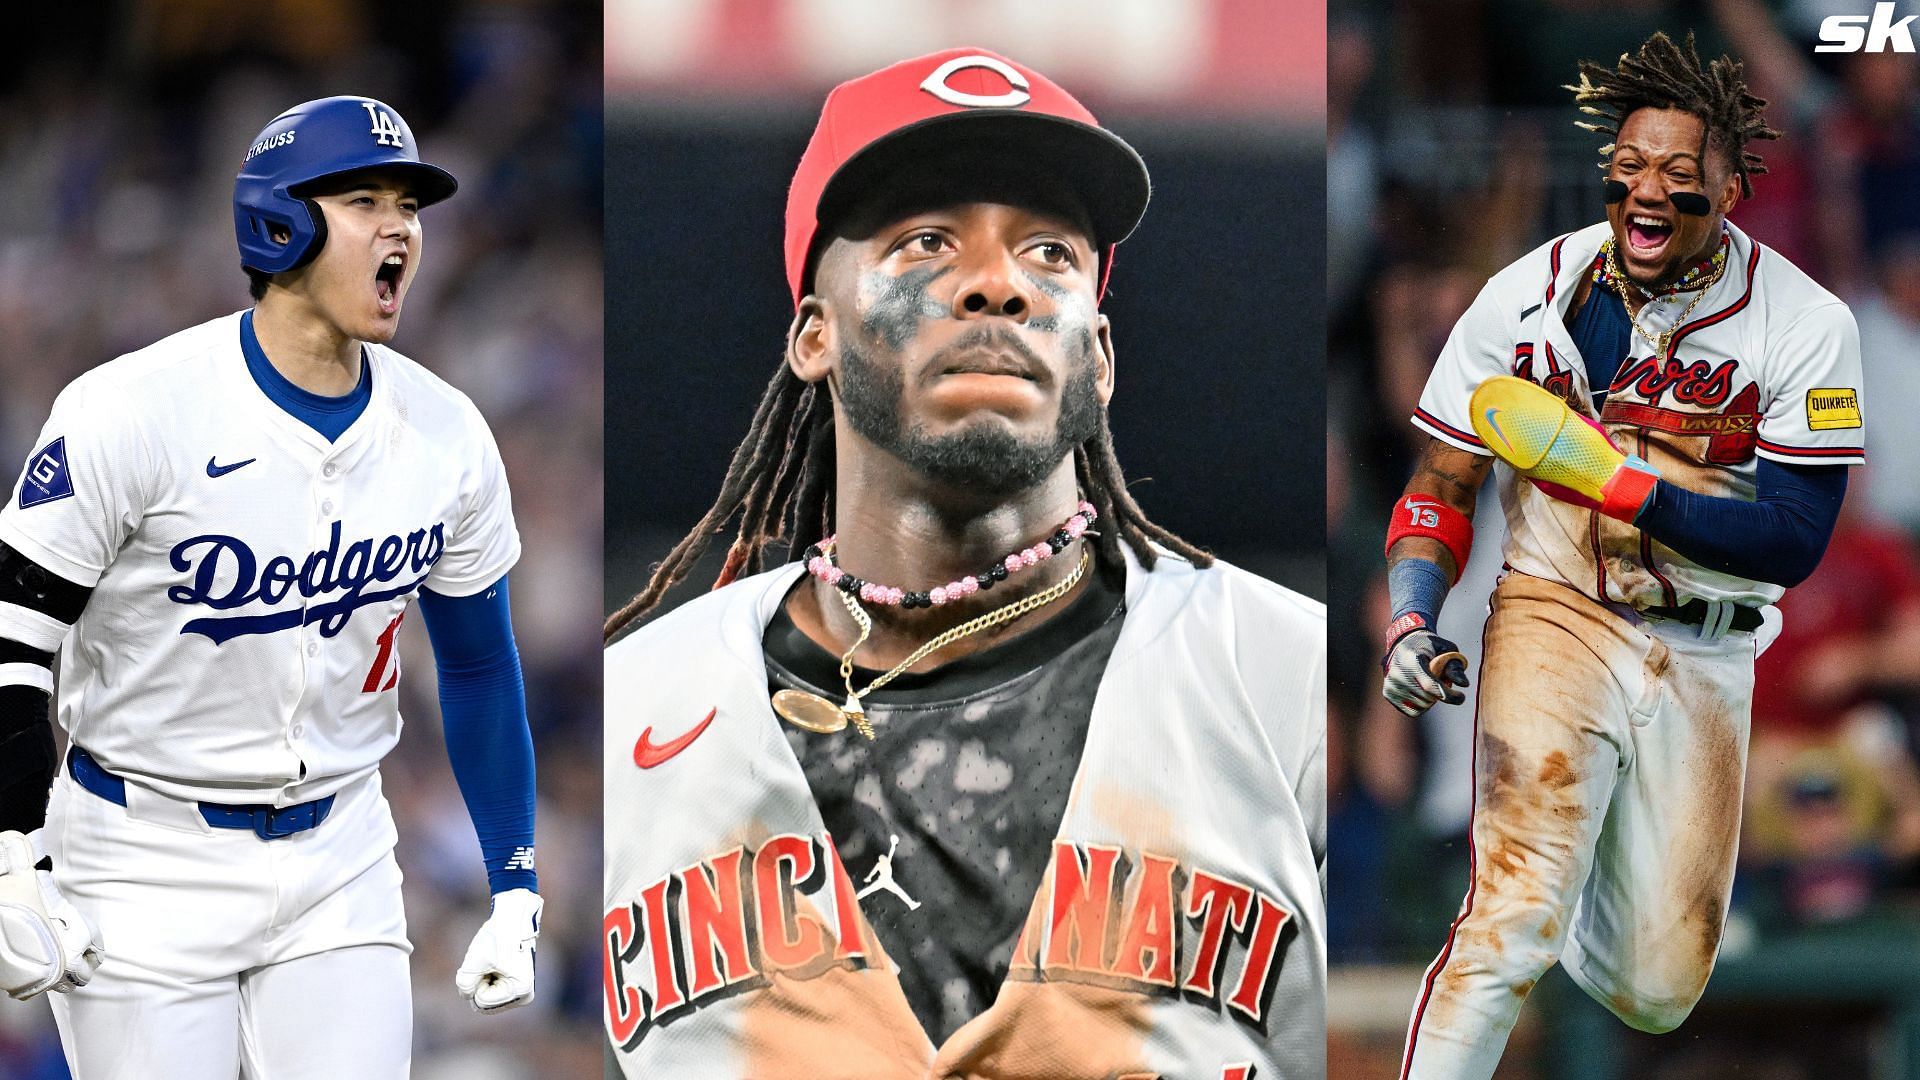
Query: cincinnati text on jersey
[1147, 925]
[227, 574]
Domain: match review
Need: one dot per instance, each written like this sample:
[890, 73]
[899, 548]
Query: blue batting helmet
[312, 142]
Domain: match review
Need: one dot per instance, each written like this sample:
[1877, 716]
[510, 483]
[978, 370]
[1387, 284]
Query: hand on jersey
[498, 971]
[1563, 453]
[45, 944]
[1412, 685]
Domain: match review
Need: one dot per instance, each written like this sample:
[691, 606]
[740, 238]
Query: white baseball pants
[1609, 756]
[228, 955]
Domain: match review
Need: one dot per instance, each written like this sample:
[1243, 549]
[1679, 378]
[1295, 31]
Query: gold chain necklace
[1611, 275]
[815, 713]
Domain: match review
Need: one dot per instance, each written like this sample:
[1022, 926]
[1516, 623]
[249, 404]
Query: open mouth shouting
[386, 282]
[1647, 235]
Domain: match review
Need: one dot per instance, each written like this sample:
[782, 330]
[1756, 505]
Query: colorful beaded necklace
[819, 561]
[815, 713]
[1698, 279]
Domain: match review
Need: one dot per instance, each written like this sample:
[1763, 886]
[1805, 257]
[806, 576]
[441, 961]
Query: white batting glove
[1411, 684]
[498, 971]
[45, 944]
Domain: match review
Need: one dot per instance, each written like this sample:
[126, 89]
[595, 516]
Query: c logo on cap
[936, 84]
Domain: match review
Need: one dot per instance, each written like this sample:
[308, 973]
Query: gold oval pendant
[809, 712]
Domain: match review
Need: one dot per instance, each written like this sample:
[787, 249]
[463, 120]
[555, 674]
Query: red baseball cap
[967, 100]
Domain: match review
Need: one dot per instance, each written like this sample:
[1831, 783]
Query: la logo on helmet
[385, 132]
[1016, 96]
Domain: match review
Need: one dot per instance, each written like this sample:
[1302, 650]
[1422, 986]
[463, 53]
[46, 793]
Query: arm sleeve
[1778, 537]
[485, 544]
[483, 707]
[83, 491]
[36, 610]
[1813, 410]
[1480, 347]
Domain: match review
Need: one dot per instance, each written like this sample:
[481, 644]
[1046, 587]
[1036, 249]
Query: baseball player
[1673, 405]
[1050, 737]
[220, 534]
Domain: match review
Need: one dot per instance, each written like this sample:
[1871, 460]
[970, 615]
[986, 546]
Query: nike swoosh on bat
[1493, 422]
[222, 470]
[647, 754]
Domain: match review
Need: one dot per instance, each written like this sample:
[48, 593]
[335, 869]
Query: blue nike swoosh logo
[222, 470]
[1492, 422]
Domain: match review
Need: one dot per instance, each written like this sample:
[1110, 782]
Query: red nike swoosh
[647, 754]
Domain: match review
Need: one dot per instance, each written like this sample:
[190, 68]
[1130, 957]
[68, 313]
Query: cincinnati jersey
[249, 577]
[1767, 365]
[968, 779]
[1178, 927]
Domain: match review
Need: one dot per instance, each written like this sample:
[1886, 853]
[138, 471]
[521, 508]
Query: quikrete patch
[1833, 407]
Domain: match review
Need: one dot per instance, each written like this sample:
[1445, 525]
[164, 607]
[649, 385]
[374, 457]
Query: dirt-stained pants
[1608, 762]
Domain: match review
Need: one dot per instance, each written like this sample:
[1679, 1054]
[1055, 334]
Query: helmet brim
[430, 183]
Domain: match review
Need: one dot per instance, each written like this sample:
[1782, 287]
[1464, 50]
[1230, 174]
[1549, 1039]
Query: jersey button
[313, 648]
[327, 507]
[329, 469]
[299, 730]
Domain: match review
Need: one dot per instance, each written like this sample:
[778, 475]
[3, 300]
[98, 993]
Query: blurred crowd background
[121, 128]
[1452, 152]
[1215, 300]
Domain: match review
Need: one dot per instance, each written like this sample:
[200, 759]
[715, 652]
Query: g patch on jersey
[46, 478]
[1833, 407]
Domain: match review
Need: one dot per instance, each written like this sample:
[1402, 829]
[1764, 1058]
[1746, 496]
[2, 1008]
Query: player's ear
[810, 342]
[1729, 194]
[1103, 359]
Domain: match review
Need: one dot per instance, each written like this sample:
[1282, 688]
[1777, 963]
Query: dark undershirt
[330, 416]
[970, 768]
[1603, 335]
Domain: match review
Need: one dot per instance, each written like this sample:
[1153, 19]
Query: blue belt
[267, 822]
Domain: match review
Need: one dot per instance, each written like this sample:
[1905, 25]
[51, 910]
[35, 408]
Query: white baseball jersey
[249, 576]
[1179, 929]
[1767, 365]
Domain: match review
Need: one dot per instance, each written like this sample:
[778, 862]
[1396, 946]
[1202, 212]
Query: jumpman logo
[883, 871]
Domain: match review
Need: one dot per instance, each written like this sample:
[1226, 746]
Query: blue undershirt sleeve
[483, 707]
[1778, 537]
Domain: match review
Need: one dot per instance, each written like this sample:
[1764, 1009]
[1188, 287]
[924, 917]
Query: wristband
[1627, 492]
[1402, 626]
[1425, 515]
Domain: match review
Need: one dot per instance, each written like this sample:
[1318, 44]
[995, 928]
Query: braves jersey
[1766, 365]
[1178, 928]
[249, 576]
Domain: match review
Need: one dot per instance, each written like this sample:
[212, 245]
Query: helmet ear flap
[319, 219]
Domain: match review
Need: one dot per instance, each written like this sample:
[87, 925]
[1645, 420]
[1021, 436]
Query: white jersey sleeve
[1480, 347]
[84, 488]
[1812, 412]
[484, 544]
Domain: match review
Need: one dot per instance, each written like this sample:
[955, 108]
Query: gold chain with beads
[996, 617]
[1610, 274]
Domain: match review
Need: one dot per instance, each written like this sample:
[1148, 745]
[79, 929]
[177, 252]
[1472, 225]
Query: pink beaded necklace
[819, 562]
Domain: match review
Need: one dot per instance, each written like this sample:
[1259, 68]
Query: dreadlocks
[1665, 76]
[780, 485]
